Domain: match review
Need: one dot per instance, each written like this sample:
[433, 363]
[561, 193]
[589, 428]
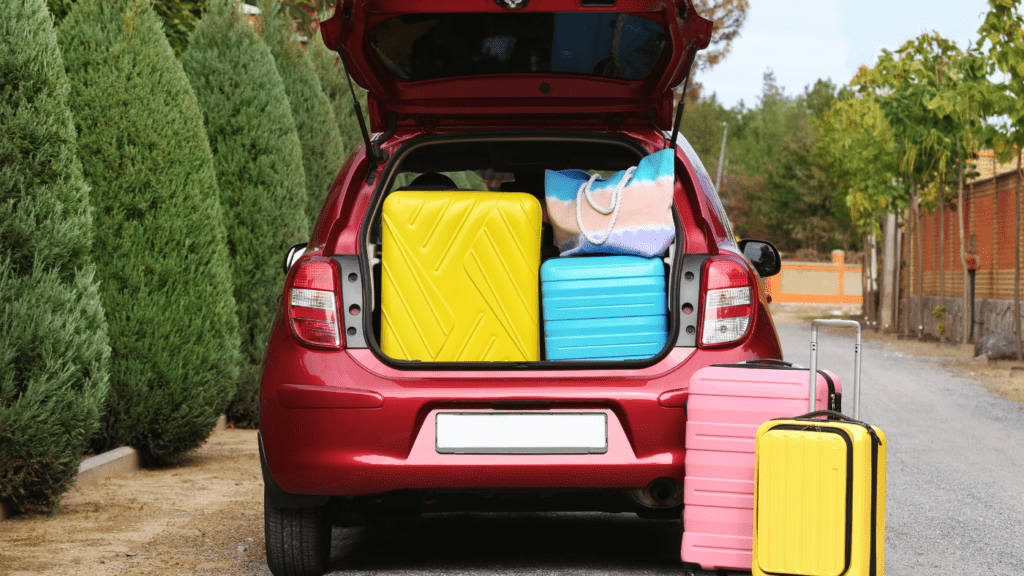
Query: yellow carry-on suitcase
[460, 276]
[819, 489]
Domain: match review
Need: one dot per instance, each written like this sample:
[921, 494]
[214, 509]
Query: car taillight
[728, 302]
[313, 303]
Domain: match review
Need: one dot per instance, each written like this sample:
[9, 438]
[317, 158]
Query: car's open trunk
[507, 164]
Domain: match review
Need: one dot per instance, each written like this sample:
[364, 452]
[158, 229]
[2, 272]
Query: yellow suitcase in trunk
[460, 276]
[819, 491]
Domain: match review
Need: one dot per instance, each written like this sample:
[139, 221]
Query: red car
[499, 91]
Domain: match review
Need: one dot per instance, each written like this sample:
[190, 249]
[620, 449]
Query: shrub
[179, 17]
[332, 78]
[258, 159]
[322, 148]
[159, 240]
[53, 338]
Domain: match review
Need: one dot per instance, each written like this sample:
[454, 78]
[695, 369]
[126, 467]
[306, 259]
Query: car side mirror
[293, 255]
[763, 255]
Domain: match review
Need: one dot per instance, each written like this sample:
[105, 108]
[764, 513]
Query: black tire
[298, 540]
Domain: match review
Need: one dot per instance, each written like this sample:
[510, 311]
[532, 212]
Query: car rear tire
[298, 540]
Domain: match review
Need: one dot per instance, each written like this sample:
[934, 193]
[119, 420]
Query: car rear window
[605, 44]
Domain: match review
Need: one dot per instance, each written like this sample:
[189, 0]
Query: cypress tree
[53, 337]
[258, 159]
[159, 240]
[322, 148]
[332, 78]
[179, 17]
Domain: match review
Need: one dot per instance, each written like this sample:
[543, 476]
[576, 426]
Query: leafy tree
[335, 85]
[179, 17]
[702, 124]
[258, 159]
[966, 104]
[809, 207]
[307, 13]
[818, 99]
[858, 143]
[906, 81]
[1003, 33]
[773, 184]
[53, 336]
[160, 243]
[322, 148]
[729, 17]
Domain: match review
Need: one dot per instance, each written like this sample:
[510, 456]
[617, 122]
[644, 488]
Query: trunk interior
[436, 165]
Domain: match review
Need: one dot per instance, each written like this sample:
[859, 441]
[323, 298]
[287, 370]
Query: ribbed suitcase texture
[604, 308]
[820, 499]
[726, 406]
[460, 275]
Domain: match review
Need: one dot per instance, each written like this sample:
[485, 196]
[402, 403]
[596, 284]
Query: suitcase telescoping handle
[856, 361]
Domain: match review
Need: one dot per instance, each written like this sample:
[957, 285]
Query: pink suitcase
[727, 403]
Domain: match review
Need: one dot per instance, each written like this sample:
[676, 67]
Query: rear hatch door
[503, 62]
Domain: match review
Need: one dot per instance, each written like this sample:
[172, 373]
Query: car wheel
[298, 540]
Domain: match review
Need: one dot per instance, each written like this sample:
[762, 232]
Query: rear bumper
[342, 423]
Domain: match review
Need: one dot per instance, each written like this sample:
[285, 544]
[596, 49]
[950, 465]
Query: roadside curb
[118, 461]
[113, 463]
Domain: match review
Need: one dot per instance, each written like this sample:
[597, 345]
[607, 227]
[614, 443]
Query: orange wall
[990, 217]
[816, 284]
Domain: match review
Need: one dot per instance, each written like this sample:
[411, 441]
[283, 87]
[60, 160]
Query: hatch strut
[682, 101]
[373, 148]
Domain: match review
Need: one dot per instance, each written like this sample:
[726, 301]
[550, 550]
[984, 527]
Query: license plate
[521, 433]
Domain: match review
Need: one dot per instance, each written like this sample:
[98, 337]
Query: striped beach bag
[627, 213]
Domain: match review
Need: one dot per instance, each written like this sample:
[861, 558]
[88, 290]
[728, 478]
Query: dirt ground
[204, 515]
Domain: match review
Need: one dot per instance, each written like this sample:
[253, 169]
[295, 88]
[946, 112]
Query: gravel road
[955, 500]
[955, 491]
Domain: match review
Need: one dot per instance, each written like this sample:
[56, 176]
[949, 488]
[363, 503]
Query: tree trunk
[965, 285]
[873, 277]
[865, 283]
[1016, 271]
[920, 271]
[942, 257]
[888, 274]
[911, 259]
[896, 276]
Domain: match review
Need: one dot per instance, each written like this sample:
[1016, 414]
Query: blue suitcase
[604, 308]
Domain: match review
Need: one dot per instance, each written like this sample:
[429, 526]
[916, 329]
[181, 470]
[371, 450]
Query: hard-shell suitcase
[727, 404]
[459, 276]
[604, 308]
[819, 504]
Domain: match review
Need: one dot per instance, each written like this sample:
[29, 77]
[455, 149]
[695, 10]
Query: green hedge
[323, 151]
[179, 17]
[258, 158]
[53, 338]
[159, 239]
[332, 78]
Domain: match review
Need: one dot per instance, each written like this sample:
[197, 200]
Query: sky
[803, 40]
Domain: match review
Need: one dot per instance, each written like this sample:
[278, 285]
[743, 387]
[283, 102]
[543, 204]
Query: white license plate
[521, 433]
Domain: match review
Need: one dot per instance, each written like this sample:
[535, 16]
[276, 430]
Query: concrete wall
[990, 315]
[817, 283]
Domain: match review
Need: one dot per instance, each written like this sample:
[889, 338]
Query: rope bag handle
[613, 207]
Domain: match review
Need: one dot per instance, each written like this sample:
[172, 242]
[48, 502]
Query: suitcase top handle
[856, 361]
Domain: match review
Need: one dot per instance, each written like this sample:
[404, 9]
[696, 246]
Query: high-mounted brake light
[313, 302]
[728, 302]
